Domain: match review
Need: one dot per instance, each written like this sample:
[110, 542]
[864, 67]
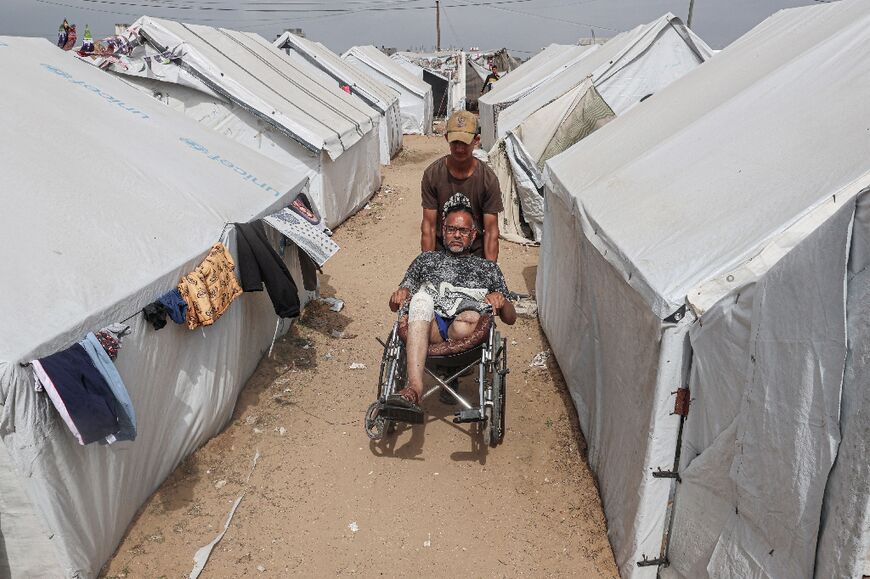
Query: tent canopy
[203, 182]
[539, 69]
[655, 173]
[253, 73]
[114, 196]
[377, 94]
[617, 54]
[385, 65]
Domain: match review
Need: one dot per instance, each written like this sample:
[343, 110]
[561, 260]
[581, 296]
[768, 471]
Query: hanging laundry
[259, 263]
[110, 338]
[309, 270]
[210, 288]
[155, 314]
[88, 41]
[62, 33]
[122, 404]
[175, 305]
[70, 37]
[79, 392]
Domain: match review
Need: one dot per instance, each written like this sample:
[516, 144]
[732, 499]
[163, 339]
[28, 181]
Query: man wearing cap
[461, 172]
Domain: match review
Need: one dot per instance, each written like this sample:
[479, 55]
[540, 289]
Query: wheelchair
[484, 351]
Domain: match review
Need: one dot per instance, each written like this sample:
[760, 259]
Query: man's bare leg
[421, 320]
[463, 325]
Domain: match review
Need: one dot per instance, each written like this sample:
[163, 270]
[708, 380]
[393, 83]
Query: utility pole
[438, 25]
[691, 10]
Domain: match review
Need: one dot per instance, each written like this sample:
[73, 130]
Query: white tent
[444, 71]
[242, 86]
[539, 69]
[718, 237]
[110, 197]
[578, 97]
[377, 95]
[415, 96]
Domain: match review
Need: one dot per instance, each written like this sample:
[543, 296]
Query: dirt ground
[324, 500]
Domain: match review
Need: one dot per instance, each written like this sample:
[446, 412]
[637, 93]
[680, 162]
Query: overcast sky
[521, 25]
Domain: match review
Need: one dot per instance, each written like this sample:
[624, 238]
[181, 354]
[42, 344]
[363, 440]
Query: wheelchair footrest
[468, 415]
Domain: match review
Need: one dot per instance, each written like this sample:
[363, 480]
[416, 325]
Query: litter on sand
[357, 366]
[540, 359]
[335, 304]
[353, 527]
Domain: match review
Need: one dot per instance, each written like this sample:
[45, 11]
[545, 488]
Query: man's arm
[490, 236]
[427, 229]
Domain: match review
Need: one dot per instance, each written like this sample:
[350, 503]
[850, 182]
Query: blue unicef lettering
[95, 90]
[246, 176]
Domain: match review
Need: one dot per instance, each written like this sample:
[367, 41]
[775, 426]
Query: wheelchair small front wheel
[376, 426]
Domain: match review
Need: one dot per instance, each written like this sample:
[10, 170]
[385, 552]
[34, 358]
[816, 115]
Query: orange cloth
[210, 288]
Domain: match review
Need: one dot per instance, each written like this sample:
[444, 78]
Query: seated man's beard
[454, 249]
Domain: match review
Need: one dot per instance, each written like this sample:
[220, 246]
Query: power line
[551, 18]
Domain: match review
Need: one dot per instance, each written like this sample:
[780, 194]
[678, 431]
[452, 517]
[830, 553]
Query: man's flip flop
[399, 408]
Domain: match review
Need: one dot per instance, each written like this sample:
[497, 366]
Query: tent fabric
[449, 64]
[377, 95]
[415, 95]
[582, 96]
[149, 191]
[539, 69]
[248, 90]
[673, 214]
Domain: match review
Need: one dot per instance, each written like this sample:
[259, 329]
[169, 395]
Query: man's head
[458, 230]
[462, 135]
[494, 69]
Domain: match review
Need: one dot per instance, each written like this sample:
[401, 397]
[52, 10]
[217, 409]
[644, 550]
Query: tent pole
[691, 11]
[437, 26]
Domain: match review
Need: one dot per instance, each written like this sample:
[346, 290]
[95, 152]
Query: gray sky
[521, 25]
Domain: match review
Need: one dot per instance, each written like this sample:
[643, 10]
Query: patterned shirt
[456, 283]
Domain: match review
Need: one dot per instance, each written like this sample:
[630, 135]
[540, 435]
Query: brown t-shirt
[481, 188]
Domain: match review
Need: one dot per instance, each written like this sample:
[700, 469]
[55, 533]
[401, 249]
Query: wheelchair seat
[452, 348]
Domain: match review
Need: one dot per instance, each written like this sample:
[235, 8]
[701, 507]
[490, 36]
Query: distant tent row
[715, 241]
[415, 95]
[116, 196]
[444, 72]
[532, 116]
[245, 88]
[375, 94]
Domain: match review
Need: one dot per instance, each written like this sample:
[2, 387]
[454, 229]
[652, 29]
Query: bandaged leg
[421, 312]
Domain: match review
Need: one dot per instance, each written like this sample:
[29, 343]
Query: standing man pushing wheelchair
[448, 290]
[461, 172]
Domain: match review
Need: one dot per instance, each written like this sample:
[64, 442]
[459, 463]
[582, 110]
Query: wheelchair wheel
[376, 426]
[499, 392]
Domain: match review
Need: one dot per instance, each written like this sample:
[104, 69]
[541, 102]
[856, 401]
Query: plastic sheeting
[109, 211]
[377, 95]
[674, 212]
[539, 69]
[415, 96]
[250, 91]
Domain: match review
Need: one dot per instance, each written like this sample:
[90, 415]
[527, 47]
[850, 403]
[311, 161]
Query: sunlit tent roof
[616, 59]
[376, 94]
[112, 198]
[247, 89]
[716, 238]
[415, 98]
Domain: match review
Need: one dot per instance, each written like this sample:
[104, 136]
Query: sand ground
[323, 500]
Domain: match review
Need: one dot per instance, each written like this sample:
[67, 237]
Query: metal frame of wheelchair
[490, 357]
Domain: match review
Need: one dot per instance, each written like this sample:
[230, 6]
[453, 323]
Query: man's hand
[496, 300]
[399, 297]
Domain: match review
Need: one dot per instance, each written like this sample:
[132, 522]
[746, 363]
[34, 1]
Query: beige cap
[461, 126]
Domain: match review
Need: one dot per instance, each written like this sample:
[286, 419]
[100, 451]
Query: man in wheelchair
[448, 290]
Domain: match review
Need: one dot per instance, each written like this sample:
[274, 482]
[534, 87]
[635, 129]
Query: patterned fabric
[456, 283]
[109, 342]
[210, 288]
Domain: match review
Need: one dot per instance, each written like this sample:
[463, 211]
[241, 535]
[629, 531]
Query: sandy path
[433, 501]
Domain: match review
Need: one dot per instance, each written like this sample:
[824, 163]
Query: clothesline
[226, 226]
